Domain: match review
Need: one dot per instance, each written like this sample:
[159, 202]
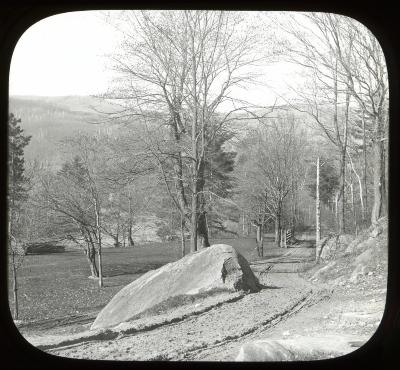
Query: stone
[211, 270]
[296, 349]
[332, 246]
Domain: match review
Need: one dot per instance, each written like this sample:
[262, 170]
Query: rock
[214, 269]
[375, 232]
[357, 273]
[332, 246]
[302, 348]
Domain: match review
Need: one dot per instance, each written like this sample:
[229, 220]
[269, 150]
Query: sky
[63, 55]
[66, 55]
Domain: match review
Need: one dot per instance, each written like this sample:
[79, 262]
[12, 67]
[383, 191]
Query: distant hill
[52, 119]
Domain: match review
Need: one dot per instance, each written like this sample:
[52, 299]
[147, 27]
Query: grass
[53, 286]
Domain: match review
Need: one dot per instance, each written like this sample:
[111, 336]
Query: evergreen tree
[329, 181]
[219, 167]
[17, 182]
[17, 195]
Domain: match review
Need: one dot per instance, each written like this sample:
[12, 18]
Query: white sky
[65, 55]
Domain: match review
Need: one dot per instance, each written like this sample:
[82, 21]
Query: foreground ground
[215, 329]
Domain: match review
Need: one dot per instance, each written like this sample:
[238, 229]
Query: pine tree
[17, 195]
[329, 181]
[17, 141]
[219, 181]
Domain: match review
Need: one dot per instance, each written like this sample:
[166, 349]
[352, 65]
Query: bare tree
[275, 157]
[178, 69]
[65, 195]
[347, 69]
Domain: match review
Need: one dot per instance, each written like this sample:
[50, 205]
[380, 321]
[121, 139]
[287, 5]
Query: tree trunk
[202, 226]
[100, 268]
[365, 170]
[15, 286]
[278, 230]
[378, 173]
[353, 208]
[202, 231]
[93, 268]
[262, 235]
[193, 224]
[342, 144]
[98, 230]
[14, 266]
[116, 241]
[336, 210]
[344, 151]
[195, 156]
[130, 240]
[360, 191]
[342, 226]
[317, 209]
[384, 176]
[91, 257]
[259, 239]
[182, 236]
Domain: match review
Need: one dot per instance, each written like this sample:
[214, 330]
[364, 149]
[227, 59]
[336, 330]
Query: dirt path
[339, 315]
[285, 295]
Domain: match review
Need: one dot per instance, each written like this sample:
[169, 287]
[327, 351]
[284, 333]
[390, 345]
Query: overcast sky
[66, 55]
[63, 55]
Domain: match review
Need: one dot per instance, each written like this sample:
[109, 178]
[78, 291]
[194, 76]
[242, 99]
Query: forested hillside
[52, 119]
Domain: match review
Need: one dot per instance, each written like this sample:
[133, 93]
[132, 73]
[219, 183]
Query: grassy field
[57, 285]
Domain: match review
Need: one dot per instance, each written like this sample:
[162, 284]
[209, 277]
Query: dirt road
[284, 295]
[287, 306]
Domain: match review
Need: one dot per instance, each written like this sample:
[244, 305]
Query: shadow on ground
[129, 269]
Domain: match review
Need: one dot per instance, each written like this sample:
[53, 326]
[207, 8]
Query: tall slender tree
[17, 196]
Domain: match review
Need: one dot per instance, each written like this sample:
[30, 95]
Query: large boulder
[210, 270]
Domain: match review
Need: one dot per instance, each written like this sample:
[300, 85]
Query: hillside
[52, 119]
[354, 261]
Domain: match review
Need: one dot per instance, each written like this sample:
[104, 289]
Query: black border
[383, 349]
